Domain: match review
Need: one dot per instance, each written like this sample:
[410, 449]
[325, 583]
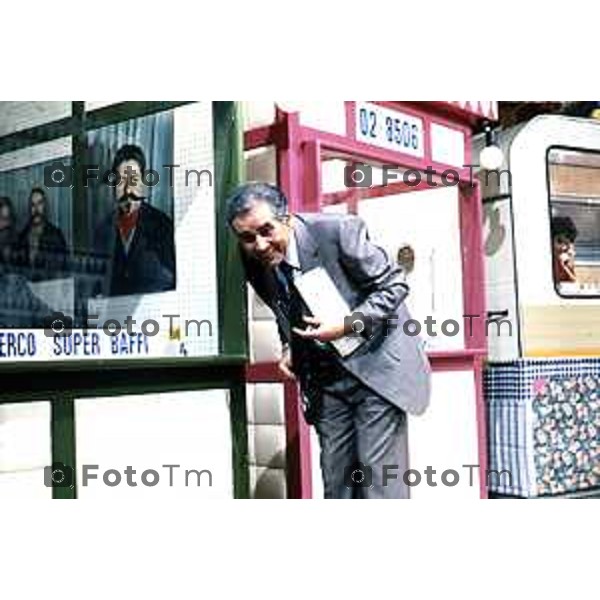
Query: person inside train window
[564, 234]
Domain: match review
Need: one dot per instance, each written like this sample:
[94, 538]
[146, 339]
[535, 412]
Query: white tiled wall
[265, 405]
[191, 429]
[25, 449]
[266, 440]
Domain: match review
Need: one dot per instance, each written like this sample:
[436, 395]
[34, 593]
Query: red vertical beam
[473, 266]
[312, 177]
[292, 170]
[289, 158]
[471, 223]
[350, 108]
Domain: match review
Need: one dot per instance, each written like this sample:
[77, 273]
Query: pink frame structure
[300, 152]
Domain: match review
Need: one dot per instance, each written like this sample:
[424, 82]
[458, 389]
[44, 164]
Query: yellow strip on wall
[561, 330]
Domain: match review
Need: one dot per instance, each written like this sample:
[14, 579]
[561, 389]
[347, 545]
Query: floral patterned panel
[566, 433]
[544, 426]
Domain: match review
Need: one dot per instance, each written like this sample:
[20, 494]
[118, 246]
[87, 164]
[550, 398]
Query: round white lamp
[491, 157]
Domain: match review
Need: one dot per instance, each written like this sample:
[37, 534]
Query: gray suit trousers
[364, 442]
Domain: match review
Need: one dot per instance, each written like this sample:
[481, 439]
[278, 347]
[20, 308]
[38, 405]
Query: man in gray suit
[358, 403]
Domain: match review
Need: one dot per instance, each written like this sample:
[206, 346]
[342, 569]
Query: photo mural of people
[95, 217]
[35, 235]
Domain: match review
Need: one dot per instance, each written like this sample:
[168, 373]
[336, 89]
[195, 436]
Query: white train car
[543, 378]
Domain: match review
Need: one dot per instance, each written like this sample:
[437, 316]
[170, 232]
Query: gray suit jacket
[390, 362]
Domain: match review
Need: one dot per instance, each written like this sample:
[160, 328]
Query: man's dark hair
[129, 152]
[38, 190]
[564, 226]
[244, 198]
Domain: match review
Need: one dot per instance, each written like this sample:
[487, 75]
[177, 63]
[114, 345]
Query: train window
[574, 180]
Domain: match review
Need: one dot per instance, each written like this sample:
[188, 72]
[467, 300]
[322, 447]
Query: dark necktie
[285, 276]
[314, 361]
[291, 301]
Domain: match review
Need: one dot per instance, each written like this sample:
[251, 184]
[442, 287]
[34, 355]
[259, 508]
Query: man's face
[130, 189]
[38, 208]
[262, 235]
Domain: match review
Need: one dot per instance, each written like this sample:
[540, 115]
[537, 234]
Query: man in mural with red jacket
[136, 239]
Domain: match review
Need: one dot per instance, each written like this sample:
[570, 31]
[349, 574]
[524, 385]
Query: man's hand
[285, 364]
[321, 331]
[567, 261]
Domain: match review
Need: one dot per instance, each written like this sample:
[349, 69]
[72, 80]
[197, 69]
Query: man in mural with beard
[41, 245]
[136, 239]
[19, 306]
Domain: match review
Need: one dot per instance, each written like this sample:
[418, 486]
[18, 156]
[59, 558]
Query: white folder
[324, 300]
